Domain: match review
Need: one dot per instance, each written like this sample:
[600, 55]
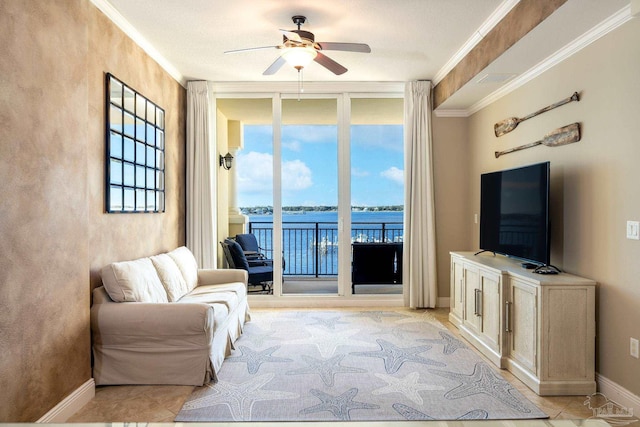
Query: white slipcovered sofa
[161, 320]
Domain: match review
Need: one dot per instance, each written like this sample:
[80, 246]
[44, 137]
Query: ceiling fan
[300, 48]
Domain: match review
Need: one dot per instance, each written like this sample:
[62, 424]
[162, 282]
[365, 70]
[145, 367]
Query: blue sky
[309, 165]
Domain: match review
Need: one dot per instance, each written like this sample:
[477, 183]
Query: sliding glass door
[309, 188]
[377, 195]
[319, 182]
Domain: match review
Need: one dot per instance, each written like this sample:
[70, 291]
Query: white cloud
[255, 173]
[394, 174]
[359, 172]
[296, 175]
[293, 145]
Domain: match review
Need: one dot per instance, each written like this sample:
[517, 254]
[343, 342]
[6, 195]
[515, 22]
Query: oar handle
[573, 97]
[521, 147]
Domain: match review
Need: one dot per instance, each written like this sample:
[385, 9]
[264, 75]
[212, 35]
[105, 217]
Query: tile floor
[162, 403]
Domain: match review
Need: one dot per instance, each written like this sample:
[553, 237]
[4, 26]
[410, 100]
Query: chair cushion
[187, 264]
[170, 276]
[260, 274]
[237, 254]
[133, 281]
[248, 242]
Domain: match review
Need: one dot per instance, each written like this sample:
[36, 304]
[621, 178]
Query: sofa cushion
[187, 264]
[210, 295]
[170, 276]
[133, 281]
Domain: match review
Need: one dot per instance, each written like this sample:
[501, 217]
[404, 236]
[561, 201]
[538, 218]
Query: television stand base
[484, 250]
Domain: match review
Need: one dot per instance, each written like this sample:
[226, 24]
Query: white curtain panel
[200, 197]
[419, 257]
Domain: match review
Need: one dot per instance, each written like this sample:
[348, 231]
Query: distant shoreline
[268, 210]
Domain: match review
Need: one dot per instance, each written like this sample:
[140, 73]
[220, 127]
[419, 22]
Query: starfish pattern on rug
[327, 341]
[327, 369]
[280, 392]
[267, 318]
[412, 414]
[450, 343]
[327, 323]
[408, 386]
[403, 330]
[483, 380]
[254, 359]
[239, 398]
[339, 406]
[377, 316]
[394, 357]
[259, 338]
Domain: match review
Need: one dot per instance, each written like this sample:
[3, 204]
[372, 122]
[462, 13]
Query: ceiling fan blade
[349, 47]
[291, 35]
[252, 48]
[330, 64]
[273, 68]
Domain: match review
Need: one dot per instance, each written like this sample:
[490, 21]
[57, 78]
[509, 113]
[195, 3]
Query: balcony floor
[306, 286]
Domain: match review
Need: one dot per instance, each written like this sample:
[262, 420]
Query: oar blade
[563, 136]
[505, 126]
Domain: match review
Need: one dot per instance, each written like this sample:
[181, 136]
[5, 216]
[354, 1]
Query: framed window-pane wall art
[135, 150]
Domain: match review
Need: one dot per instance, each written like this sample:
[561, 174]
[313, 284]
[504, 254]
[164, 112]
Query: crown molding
[452, 113]
[116, 17]
[493, 20]
[614, 21]
[600, 30]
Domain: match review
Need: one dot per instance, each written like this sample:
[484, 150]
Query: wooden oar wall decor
[561, 136]
[507, 125]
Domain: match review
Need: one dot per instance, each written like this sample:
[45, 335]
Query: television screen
[514, 212]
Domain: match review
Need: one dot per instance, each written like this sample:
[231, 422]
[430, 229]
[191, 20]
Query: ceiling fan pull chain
[300, 87]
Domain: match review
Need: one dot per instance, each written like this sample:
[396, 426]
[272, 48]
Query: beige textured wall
[451, 175]
[53, 230]
[119, 237]
[594, 182]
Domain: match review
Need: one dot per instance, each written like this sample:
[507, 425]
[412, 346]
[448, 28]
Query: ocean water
[310, 239]
[332, 216]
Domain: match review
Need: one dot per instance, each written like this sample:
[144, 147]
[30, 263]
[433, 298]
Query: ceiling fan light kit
[299, 57]
[299, 49]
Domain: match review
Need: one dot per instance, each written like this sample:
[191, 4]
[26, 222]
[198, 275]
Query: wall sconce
[226, 161]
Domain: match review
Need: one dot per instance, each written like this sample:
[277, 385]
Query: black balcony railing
[311, 248]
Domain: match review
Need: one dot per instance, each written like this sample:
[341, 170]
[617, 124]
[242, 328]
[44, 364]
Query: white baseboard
[443, 302]
[70, 404]
[618, 394]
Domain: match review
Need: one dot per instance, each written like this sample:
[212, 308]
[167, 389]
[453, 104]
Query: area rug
[359, 365]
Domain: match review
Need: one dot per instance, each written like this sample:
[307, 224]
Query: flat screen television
[514, 213]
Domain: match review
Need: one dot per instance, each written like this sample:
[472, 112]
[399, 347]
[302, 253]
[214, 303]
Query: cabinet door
[521, 317]
[456, 298]
[490, 308]
[471, 298]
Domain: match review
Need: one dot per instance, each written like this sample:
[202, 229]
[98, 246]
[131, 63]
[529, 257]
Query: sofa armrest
[139, 324]
[222, 276]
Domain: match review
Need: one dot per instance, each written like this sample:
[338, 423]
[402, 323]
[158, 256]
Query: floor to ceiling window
[314, 179]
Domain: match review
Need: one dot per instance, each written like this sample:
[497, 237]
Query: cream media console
[540, 327]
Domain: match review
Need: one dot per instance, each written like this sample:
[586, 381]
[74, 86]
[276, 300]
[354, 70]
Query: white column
[233, 178]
